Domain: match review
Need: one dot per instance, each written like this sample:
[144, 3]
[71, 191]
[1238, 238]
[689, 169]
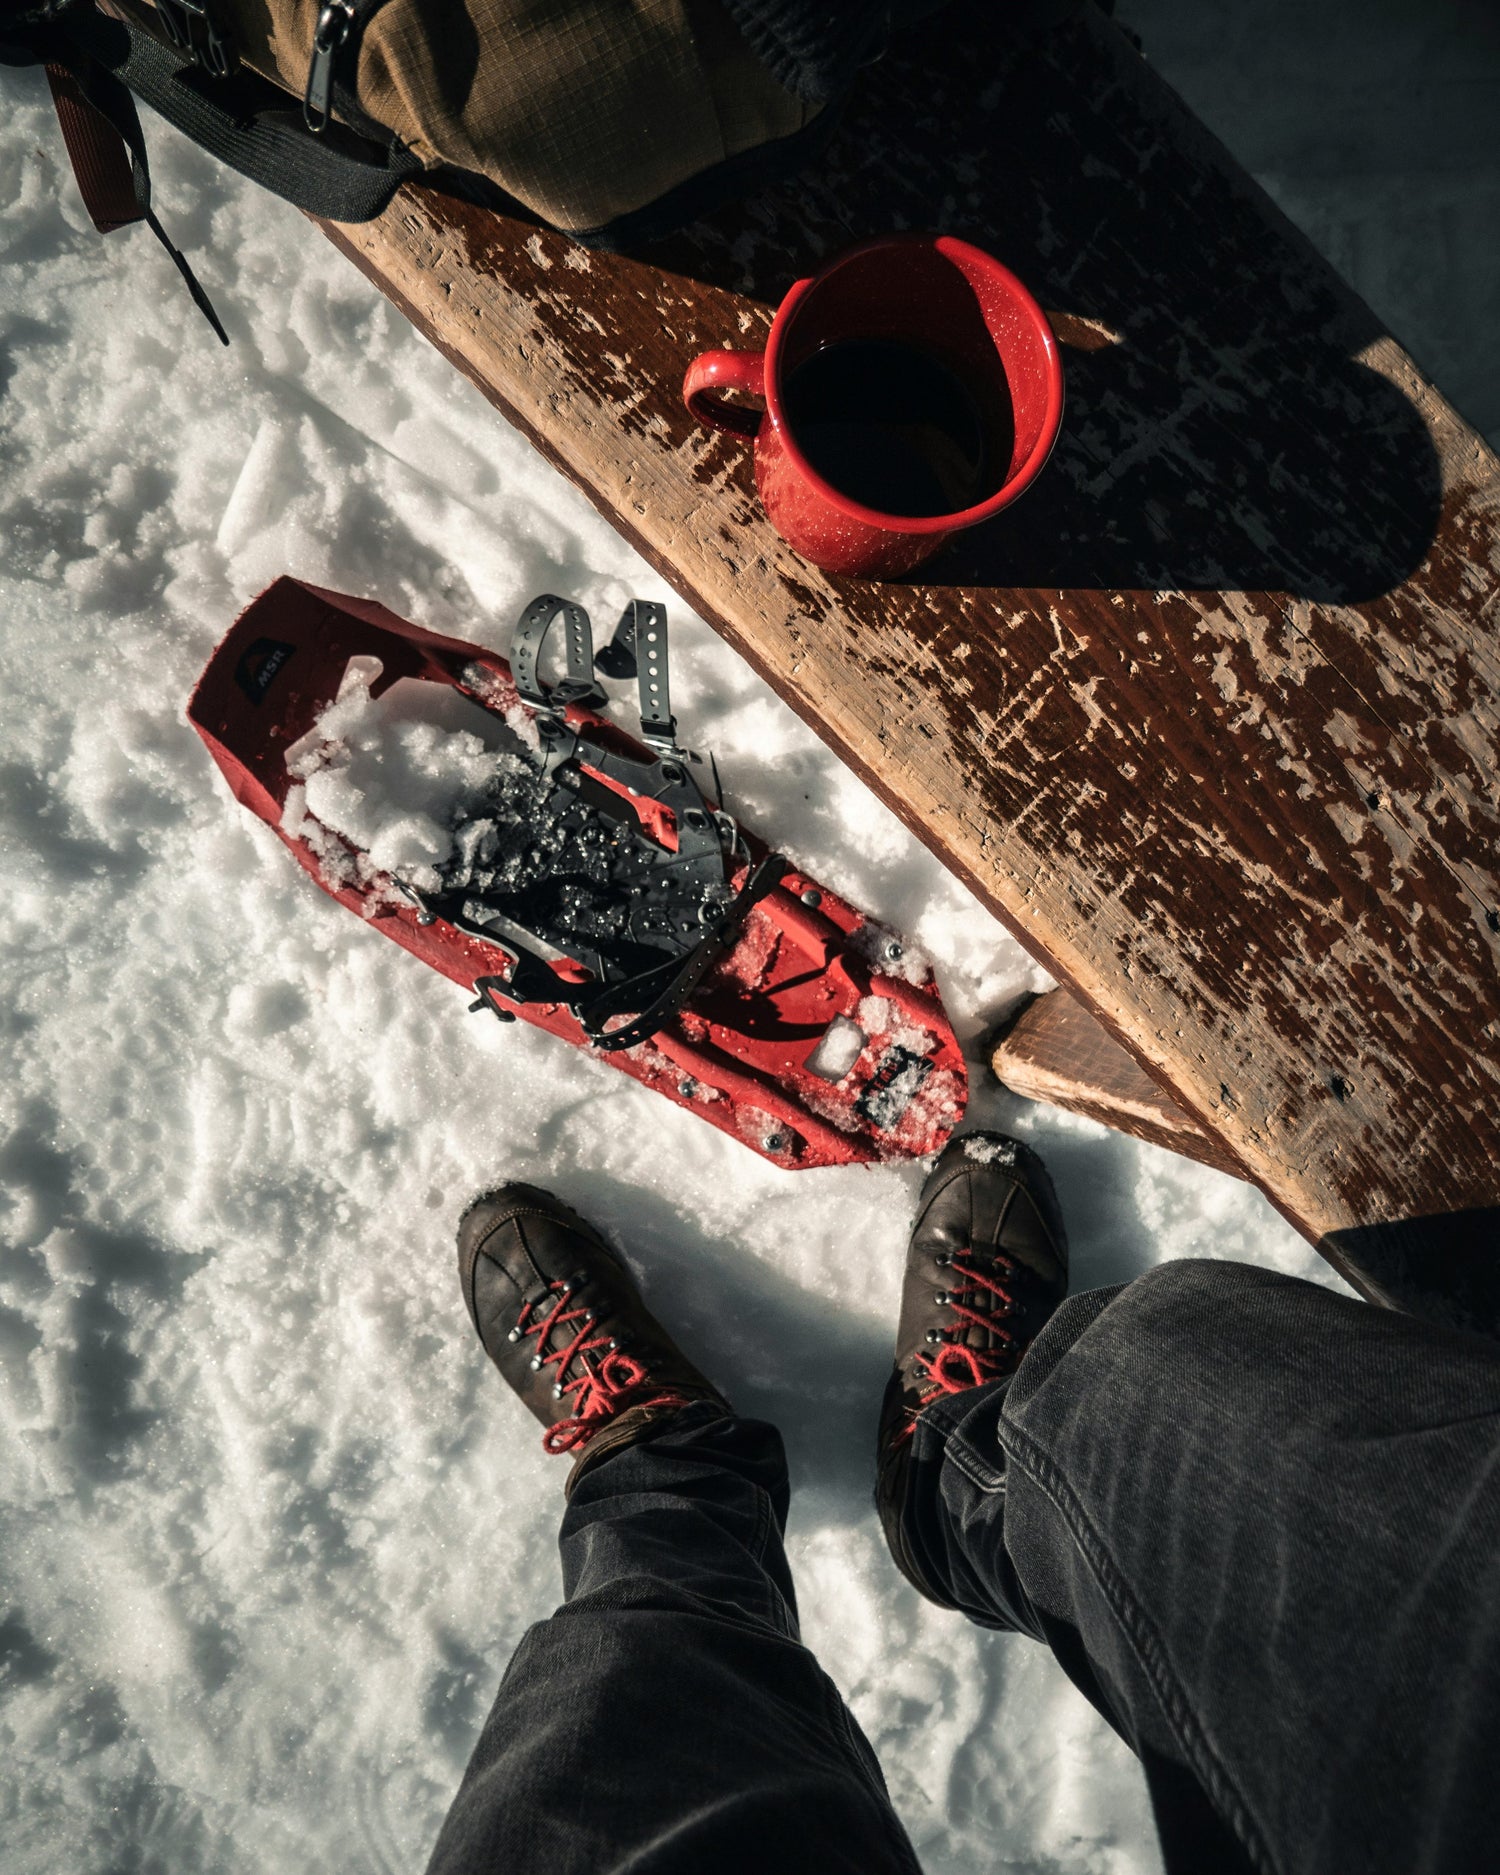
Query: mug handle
[725, 371]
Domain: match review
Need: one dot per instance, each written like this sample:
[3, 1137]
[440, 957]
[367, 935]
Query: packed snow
[271, 1526]
[394, 777]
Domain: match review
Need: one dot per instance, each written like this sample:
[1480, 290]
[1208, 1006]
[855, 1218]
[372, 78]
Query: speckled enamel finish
[926, 290]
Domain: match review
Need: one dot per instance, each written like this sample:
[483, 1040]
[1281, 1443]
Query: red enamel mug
[912, 388]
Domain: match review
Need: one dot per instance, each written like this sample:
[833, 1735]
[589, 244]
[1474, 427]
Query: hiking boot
[986, 1266]
[560, 1316]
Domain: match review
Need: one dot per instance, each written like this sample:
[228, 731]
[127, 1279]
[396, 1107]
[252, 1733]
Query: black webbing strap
[530, 635]
[675, 984]
[245, 121]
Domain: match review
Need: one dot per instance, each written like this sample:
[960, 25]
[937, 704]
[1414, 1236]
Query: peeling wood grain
[1211, 718]
[1052, 1049]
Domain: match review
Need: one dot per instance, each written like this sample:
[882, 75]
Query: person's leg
[1259, 1525]
[666, 1718]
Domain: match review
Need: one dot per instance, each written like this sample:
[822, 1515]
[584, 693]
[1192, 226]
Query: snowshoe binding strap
[617, 658]
[639, 649]
[532, 629]
[663, 990]
[648, 638]
[676, 988]
[645, 919]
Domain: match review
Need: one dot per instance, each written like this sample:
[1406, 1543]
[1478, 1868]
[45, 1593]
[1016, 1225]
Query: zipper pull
[330, 36]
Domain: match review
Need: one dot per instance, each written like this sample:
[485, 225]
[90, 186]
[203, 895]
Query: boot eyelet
[943, 1259]
[934, 1334]
[536, 1363]
[514, 1335]
[942, 1298]
[557, 1391]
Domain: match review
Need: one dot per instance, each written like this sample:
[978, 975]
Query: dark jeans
[1257, 1523]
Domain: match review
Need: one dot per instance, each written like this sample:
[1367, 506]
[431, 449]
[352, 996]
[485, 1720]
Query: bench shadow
[1444, 1268]
[1328, 489]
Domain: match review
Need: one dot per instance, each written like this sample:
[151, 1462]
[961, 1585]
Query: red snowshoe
[594, 889]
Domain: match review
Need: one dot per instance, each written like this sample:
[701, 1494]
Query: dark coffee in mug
[894, 428]
[911, 387]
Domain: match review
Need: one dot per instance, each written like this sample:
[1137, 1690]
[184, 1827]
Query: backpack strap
[97, 66]
[102, 131]
[97, 151]
[250, 124]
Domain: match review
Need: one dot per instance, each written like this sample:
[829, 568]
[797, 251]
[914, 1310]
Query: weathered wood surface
[1052, 1049]
[1209, 719]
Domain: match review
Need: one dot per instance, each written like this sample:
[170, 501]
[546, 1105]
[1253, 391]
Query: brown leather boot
[986, 1266]
[560, 1316]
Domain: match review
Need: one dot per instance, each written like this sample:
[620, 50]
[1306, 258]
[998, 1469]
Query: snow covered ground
[270, 1526]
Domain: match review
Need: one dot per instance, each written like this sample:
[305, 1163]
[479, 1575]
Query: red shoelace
[607, 1381]
[954, 1367]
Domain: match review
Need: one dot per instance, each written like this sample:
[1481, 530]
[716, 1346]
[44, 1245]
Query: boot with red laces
[560, 1316]
[986, 1266]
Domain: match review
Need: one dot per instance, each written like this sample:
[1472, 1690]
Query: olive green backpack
[613, 120]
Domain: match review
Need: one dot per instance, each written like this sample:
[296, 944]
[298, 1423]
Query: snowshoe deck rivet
[687, 1089]
[812, 897]
[894, 951]
[774, 1142]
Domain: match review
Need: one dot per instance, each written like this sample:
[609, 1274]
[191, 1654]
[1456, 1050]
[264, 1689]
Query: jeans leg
[667, 1720]
[1259, 1524]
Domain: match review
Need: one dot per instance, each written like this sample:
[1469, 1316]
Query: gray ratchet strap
[617, 658]
[639, 649]
[580, 685]
[674, 898]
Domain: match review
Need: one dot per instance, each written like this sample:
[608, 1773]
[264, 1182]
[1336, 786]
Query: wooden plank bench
[1050, 1048]
[1210, 719]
